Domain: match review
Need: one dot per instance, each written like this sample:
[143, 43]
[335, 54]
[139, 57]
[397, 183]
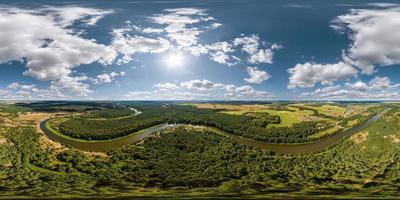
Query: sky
[199, 50]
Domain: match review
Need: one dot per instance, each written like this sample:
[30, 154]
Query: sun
[174, 59]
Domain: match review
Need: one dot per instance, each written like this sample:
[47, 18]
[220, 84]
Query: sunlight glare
[175, 59]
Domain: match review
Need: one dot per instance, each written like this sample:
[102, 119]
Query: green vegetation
[193, 162]
[250, 127]
[110, 113]
[254, 122]
[106, 129]
[12, 109]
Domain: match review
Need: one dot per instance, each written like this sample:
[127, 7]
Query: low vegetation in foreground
[194, 162]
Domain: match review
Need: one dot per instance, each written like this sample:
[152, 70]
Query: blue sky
[183, 50]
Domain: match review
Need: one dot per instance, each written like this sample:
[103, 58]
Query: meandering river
[102, 146]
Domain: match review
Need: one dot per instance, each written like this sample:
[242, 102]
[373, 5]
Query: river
[102, 146]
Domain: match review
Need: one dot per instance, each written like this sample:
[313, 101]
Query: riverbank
[304, 148]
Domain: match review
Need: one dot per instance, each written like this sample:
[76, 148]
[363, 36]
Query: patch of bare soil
[395, 139]
[360, 137]
[95, 154]
[46, 143]
[3, 141]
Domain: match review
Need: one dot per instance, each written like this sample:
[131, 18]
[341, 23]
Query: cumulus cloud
[42, 40]
[166, 86]
[178, 23]
[256, 76]
[308, 74]
[28, 91]
[16, 86]
[181, 28]
[359, 85]
[248, 92]
[198, 89]
[379, 83]
[68, 15]
[220, 52]
[375, 43]
[4, 94]
[164, 95]
[128, 45]
[375, 37]
[107, 77]
[227, 52]
[50, 42]
[251, 45]
[152, 30]
[377, 88]
[74, 84]
[202, 85]
[348, 94]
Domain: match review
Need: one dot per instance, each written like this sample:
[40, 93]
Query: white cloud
[383, 5]
[71, 14]
[16, 86]
[220, 52]
[262, 56]
[226, 52]
[178, 23]
[72, 84]
[251, 45]
[107, 78]
[49, 42]
[347, 94]
[152, 30]
[359, 85]
[215, 25]
[256, 76]
[308, 74]
[196, 90]
[28, 91]
[165, 95]
[377, 88]
[166, 86]
[50, 50]
[202, 85]
[128, 45]
[244, 89]
[4, 94]
[248, 92]
[375, 37]
[104, 78]
[379, 83]
[182, 28]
